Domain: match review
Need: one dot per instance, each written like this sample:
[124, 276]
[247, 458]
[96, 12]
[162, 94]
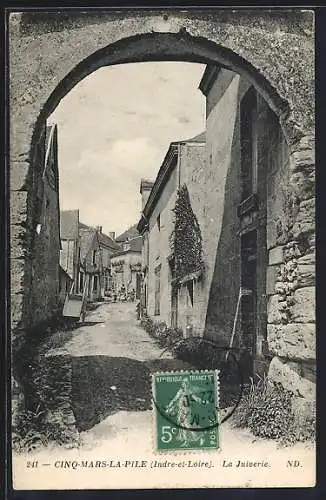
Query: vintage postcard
[162, 241]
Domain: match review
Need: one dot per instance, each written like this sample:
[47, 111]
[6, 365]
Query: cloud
[115, 127]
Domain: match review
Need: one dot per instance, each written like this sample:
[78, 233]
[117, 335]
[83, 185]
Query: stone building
[70, 245]
[46, 264]
[145, 190]
[256, 291]
[247, 180]
[96, 250]
[272, 49]
[126, 263]
[177, 304]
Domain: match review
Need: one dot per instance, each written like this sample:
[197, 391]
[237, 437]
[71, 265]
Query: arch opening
[181, 47]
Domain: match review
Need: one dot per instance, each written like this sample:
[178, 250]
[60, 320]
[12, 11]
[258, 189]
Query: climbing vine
[186, 238]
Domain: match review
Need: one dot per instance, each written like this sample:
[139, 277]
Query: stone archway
[49, 56]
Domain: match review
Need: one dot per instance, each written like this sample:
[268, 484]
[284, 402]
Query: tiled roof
[108, 241]
[69, 224]
[86, 236]
[132, 232]
[135, 245]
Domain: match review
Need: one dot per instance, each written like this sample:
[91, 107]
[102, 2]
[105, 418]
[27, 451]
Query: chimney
[99, 229]
[112, 235]
[145, 191]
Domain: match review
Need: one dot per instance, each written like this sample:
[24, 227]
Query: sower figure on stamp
[180, 407]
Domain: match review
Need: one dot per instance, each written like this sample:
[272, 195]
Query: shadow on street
[103, 385]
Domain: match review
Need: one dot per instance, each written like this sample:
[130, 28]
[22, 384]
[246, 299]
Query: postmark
[186, 410]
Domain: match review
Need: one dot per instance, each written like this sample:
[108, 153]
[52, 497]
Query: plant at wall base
[147, 323]
[186, 238]
[38, 417]
[267, 411]
[166, 337]
[32, 430]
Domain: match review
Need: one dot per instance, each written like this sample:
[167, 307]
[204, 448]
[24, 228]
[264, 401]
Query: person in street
[132, 295]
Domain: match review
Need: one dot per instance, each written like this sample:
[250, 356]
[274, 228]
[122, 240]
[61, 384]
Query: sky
[114, 128]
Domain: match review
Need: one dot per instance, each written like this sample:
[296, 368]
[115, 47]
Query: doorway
[248, 302]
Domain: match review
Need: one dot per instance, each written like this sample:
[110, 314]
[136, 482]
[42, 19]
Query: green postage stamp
[186, 410]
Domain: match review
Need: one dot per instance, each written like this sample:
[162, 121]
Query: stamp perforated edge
[180, 452]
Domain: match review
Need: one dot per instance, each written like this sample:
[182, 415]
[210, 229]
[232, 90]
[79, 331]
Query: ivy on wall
[186, 238]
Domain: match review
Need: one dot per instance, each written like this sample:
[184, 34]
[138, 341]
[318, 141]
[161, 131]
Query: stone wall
[221, 187]
[45, 57]
[48, 56]
[192, 172]
[42, 248]
[291, 335]
[284, 221]
[159, 249]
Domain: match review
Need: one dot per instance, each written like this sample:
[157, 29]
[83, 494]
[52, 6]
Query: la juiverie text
[244, 463]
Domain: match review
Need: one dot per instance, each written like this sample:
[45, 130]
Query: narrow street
[112, 360]
[113, 330]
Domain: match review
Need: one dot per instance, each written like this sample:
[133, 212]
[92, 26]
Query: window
[81, 282]
[157, 290]
[94, 258]
[248, 111]
[95, 283]
[158, 221]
